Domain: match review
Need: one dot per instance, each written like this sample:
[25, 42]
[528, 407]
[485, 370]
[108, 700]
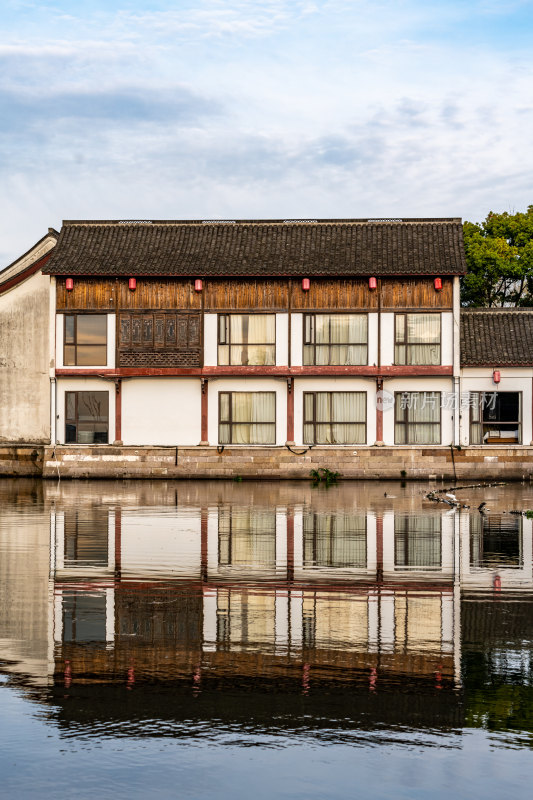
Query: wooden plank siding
[416, 293]
[240, 294]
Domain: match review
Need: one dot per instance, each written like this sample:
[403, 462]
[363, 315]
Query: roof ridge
[287, 221]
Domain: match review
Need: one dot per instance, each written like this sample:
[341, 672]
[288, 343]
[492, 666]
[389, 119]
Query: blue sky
[262, 108]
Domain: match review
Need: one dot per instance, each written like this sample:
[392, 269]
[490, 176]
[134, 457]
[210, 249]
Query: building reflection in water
[383, 611]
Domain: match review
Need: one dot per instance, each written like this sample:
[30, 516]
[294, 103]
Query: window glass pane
[92, 329]
[93, 406]
[399, 434]
[90, 355]
[309, 355]
[263, 407]
[308, 434]
[323, 407]
[224, 406]
[308, 320]
[399, 354]
[70, 407]
[423, 328]
[70, 355]
[69, 329]
[321, 328]
[261, 355]
[308, 407]
[425, 407]
[224, 433]
[241, 403]
[223, 355]
[400, 327]
[222, 327]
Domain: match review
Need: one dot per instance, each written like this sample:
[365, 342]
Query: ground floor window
[87, 417]
[495, 541]
[247, 417]
[334, 417]
[495, 418]
[417, 542]
[246, 538]
[335, 540]
[417, 418]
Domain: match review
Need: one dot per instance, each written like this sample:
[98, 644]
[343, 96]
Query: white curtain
[423, 339]
[421, 411]
[257, 329]
[417, 541]
[340, 417]
[341, 339]
[253, 417]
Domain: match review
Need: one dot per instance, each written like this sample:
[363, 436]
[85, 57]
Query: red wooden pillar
[204, 413]
[379, 411]
[290, 411]
[118, 412]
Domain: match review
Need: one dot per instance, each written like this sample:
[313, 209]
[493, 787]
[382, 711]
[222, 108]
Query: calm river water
[256, 640]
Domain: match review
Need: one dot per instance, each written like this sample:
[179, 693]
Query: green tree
[499, 257]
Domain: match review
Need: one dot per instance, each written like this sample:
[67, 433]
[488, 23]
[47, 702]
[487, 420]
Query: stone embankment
[270, 463]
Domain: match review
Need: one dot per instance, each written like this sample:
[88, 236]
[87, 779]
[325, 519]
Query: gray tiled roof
[260, 248]
[496, 337]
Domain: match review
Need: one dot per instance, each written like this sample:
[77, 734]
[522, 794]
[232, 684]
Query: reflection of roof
[260, 248]
[497, 337]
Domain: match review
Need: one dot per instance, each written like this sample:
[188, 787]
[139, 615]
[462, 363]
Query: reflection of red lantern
[132, 283]
[438, 284]
[306, 284]
[372, 283]
[69, 283]
[197, 285]
[496, 377]
[497, 583]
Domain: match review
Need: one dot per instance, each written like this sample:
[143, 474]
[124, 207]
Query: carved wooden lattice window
[160, 339]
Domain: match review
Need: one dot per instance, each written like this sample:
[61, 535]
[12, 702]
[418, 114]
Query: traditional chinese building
[236, 340]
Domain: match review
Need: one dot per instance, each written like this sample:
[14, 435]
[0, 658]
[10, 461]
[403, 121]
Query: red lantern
[132, 284]
[372, 283]
[306, 284]
[69, 283]
[496, 377]
[197, 285]
[438, 284]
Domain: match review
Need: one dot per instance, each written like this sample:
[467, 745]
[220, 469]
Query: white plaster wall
[387, 339]
[513, 379]
[297, 339]
[388, 333]
[443, 385]
[210, 340]
[282, 340]
[111, 336]
[25, 361]
[373, 339]
[83, 385]
[161, 544]
[329, 384]
[277, 385]
[161, 411]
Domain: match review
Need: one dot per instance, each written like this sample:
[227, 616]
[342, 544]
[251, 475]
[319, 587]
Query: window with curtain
[246, 537]
[495, 418]
[86, 417]
[417, 541]
[335, 540]
[335, 339]
[247, 339]
[334, 417]
[85, 340]
[247, 417]
[86, 537]
[417, 339]
[417, 418]
[496, 541]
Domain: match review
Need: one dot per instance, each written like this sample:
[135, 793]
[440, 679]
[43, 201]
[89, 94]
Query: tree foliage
[499, 256]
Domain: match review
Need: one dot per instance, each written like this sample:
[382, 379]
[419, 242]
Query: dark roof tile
[267, 248]
[496, 337]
